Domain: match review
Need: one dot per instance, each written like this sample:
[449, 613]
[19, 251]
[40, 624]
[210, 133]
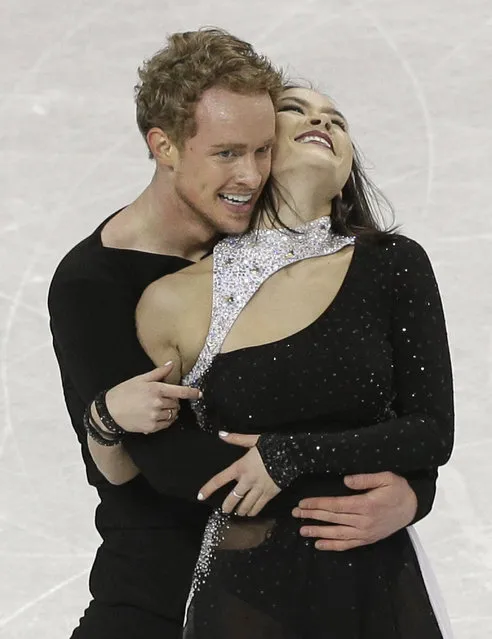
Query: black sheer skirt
[259, 579]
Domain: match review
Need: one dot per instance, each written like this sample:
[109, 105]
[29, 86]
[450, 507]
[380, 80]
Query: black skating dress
[366, 387]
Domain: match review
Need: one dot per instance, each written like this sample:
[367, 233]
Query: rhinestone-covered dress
[366, 387]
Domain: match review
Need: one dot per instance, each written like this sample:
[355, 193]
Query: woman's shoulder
[398, 249]
[175, 291]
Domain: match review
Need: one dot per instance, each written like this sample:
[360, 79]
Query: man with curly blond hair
[206, 109]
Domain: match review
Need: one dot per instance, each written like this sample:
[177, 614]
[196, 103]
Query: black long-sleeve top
[150, 540]
[151, 526]
[394, 351]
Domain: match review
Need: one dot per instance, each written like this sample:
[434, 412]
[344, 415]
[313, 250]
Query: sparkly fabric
[241, 265]
[365, 387]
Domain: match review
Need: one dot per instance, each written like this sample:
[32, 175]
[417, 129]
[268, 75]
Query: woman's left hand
[254, 487]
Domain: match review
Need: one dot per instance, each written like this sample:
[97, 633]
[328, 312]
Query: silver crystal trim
[237, 277]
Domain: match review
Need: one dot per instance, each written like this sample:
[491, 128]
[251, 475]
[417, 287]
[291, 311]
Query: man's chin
[233, 222]
[235, 227]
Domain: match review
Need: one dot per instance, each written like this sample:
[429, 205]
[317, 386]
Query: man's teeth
[236, 199]
[315, 138]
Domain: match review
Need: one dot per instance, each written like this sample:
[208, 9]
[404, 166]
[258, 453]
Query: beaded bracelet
[99, 429]
[97, 434]
[105, 416]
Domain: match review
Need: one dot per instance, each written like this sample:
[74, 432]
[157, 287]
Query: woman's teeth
[236, 199]
[315, 138]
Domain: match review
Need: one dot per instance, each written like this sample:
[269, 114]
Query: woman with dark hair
[325, 334]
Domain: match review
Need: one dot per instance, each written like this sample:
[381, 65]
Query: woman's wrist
[101, 408]
[97, 419]
[276, 454]
[98, 432]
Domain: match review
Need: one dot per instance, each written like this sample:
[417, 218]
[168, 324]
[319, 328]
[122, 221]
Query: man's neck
[156, 223]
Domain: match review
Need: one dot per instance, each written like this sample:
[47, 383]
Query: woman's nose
[318, 121]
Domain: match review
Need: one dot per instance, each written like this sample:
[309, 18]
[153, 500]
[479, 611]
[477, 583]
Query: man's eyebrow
[228, 145]
[239, 147]
[304, 103]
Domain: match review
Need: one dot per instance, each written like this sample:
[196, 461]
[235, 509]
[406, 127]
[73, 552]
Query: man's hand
[357, 520]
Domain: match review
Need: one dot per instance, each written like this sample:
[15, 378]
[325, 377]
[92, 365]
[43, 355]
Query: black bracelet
[95, 426]
[105, 416]
[97, 434]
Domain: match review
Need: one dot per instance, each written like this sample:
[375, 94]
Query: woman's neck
[300, 202]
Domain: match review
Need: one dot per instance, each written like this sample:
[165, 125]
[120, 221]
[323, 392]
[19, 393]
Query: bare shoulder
[166, 305]
[174, 292]
[160, 296]
[173, 314]
[185, 276]
[155, 319]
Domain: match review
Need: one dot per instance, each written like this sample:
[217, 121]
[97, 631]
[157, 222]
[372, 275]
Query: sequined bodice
[336, 373]
[241, 265]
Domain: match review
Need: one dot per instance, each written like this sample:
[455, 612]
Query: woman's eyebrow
[304, 103]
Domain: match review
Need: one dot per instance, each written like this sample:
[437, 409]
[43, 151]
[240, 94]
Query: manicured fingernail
[200, 394]
[223, 433]
[305, 532]
[296, 512]
[169, 362]
[200, 497]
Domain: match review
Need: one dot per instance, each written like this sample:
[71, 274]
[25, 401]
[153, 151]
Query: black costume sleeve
[419, 432]
[423, 484]
[93, 326]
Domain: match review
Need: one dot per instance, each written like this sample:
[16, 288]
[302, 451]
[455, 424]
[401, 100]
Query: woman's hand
[146, 404]
[254, 487]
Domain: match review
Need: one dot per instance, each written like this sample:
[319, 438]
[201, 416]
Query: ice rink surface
[414, 78]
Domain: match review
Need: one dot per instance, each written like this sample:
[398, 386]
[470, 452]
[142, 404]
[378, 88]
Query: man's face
[220, 172]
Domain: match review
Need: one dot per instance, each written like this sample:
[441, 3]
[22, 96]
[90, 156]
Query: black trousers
[102, 621]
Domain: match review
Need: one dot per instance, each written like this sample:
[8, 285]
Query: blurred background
[414, 79]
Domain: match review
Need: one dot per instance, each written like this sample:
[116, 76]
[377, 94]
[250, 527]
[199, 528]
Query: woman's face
[312, 134]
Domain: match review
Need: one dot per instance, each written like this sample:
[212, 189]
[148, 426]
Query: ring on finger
[237, 494]
[170, 415]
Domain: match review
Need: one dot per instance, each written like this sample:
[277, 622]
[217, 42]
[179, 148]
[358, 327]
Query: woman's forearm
[112, 461]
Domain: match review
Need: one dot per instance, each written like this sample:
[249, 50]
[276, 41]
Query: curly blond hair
[175, 78]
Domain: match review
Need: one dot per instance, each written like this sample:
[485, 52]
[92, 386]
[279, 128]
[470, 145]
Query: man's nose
[249, 173]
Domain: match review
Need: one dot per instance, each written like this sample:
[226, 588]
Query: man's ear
[162, 147]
